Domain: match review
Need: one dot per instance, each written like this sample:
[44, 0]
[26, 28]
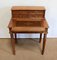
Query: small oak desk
[28, 19]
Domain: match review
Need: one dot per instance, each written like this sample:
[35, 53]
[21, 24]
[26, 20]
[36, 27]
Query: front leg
[44, 43]
[13, 43]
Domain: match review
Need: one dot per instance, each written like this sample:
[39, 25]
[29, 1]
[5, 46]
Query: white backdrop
[51, 16]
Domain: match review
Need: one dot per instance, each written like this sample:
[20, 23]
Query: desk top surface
[28, 8]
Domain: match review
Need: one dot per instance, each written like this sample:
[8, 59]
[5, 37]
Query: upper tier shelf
[28, 13]
[28, 8]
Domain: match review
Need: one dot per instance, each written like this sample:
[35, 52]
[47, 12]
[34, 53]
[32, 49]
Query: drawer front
[28, 23]
[28, 12]
[28, 16]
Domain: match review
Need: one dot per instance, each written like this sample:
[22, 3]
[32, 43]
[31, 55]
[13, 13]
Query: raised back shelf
[28, 15]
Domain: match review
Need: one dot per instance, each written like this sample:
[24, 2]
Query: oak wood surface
[28, 29]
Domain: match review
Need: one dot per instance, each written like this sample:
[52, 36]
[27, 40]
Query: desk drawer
[28, 16]
[28, 12]
[28, 23]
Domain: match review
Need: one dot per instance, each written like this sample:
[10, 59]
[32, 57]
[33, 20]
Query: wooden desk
[28, 19]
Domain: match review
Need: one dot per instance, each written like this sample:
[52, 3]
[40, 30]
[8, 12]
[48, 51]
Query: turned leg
[13, 43]
[44, 42]
[40, 38]
[15, 37]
